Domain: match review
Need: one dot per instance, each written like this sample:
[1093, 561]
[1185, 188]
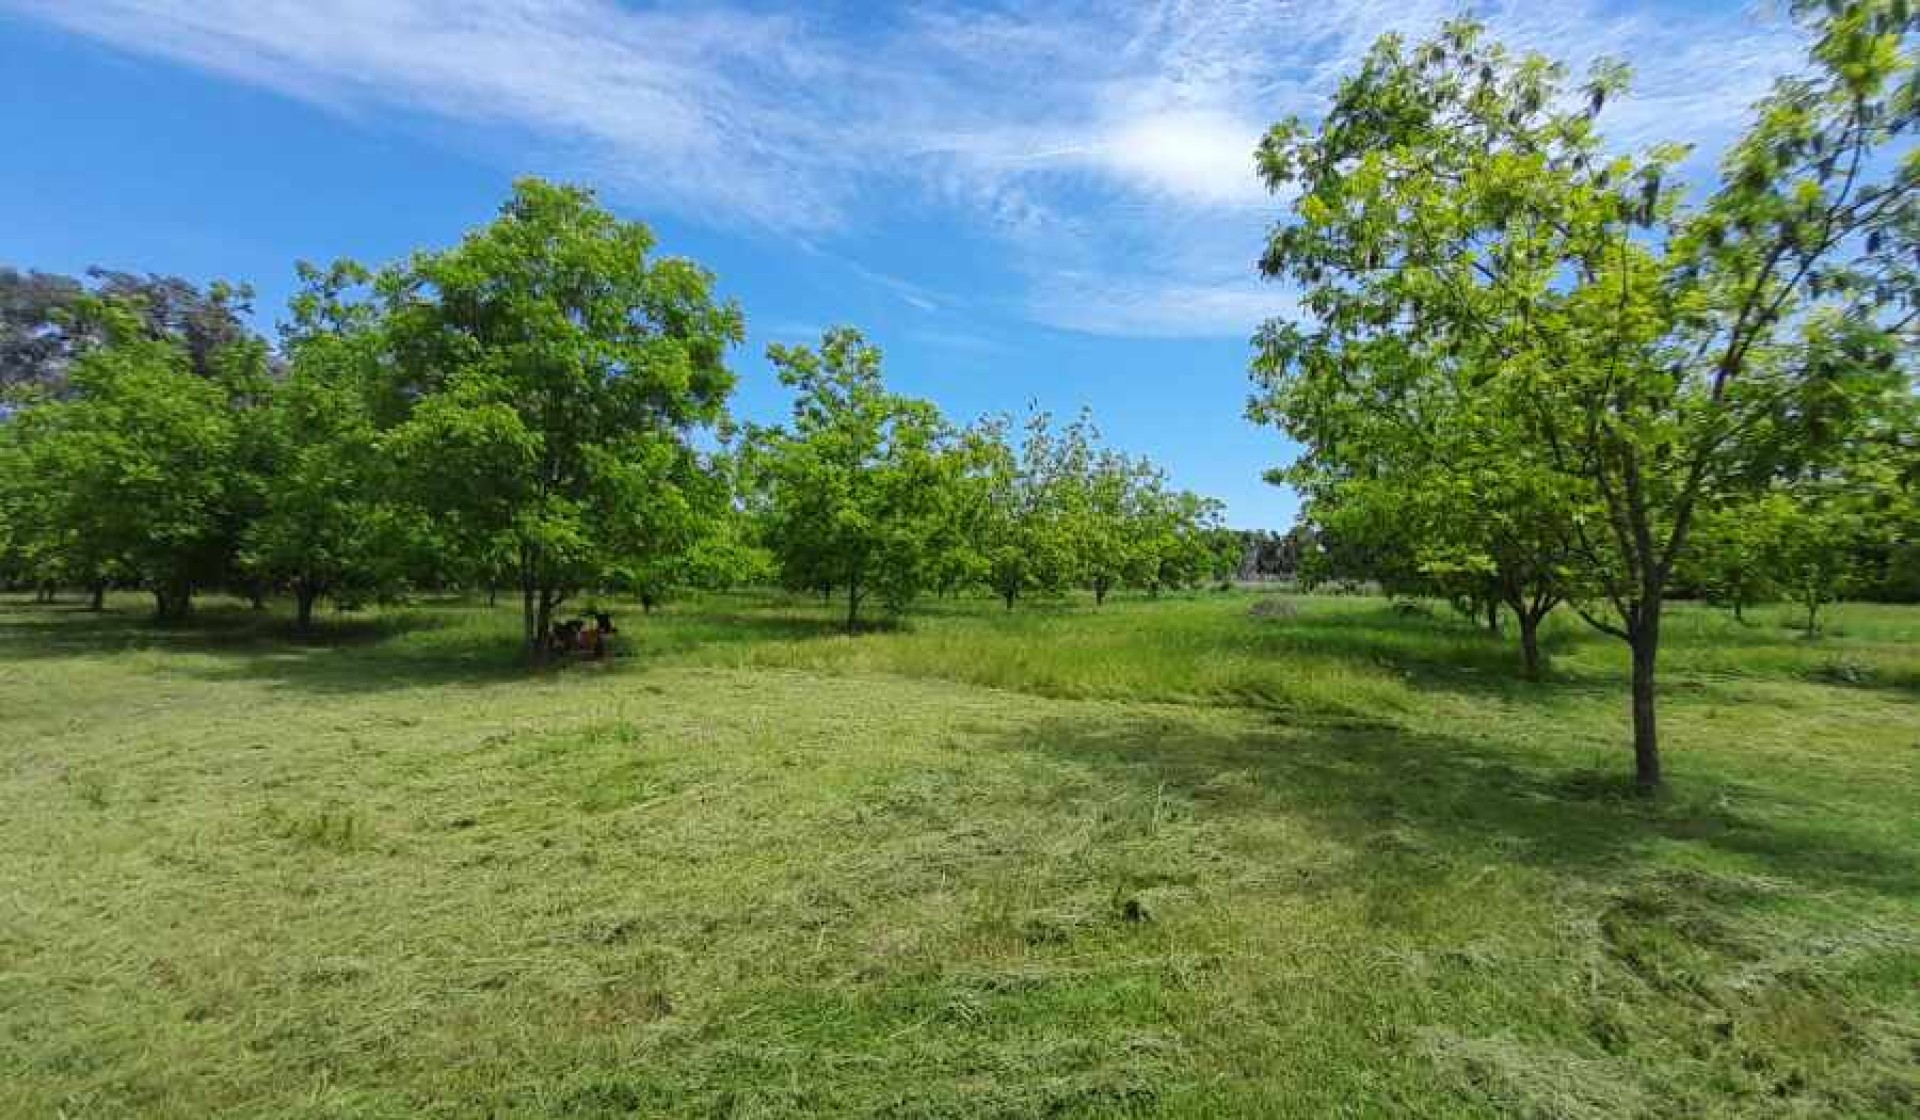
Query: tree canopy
[851, 485]
[553, 373]
[1470, 249]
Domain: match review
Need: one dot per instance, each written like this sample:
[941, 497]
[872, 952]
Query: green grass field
[1162, 858]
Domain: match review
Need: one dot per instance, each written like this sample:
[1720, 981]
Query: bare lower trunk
[534, 635]
[1642, 617]
[1008, 595]
[1099, 594]
[543, 622]
[304, 596]
[1530, 664]
[99, 601]
[1646, 736]
[172, 603]
[853, 605]
[1493, 618]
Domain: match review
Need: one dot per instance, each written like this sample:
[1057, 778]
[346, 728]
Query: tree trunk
[1529, 644]
[534, 634]
[493, 595]
[544, 603]
[1008, 595]
[1739, 610]
[172, 604]
[304, 596]
[256, 597]
[1100, 593]
[1493, 616]
[853, 605]
[1645, 641]
[99, 601]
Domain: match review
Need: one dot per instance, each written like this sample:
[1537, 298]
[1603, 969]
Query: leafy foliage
[138, 476]
[552, 374]
[852, 488]
[326, 526]
[47, 322]
[1471, 249]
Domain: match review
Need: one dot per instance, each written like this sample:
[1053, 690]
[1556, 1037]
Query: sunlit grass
[1182, 857]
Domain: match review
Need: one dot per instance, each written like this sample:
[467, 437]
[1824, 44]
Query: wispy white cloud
[707, 111]
[1157, 306]
[1106, 149]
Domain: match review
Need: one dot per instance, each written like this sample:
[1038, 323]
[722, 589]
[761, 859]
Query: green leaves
[136, 477]
[550, 375]
[327, 522]
[852, 492]
[1522, 344]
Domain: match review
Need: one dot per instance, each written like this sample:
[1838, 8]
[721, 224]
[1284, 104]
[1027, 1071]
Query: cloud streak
[1085, 140]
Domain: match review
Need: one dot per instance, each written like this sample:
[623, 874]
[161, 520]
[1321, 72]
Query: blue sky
[1049, 201]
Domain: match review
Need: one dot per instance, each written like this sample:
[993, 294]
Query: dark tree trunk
[1100, 593]
[256, 597]
[46, 593]
[493, 595]
[1645, 642]
[853, 605]
[304, 596]
[172, 604]
[546, 601]
[1529, 644]
[1493, 617]
[1008, 595]
[1739, 609]
[99, 601]
[534, 635]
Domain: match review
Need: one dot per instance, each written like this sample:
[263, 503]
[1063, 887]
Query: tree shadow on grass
[57, 607]
[373, 652]
[437, 645]
[1435, 652]
[1421, 803]
[58, 630]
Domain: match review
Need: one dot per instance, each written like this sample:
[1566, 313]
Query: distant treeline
[524, 411]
